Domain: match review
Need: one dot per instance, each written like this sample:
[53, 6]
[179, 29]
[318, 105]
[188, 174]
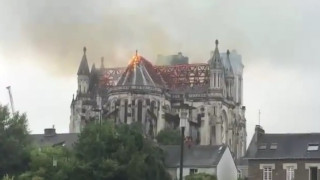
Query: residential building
[283, 156]
[51, 138]
[242, 165]
[215, 160]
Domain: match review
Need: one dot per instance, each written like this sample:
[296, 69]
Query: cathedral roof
[140, 72]
[84, 67]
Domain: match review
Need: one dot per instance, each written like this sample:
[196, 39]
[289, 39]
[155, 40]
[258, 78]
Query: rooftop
[199, 156]
[285, 146]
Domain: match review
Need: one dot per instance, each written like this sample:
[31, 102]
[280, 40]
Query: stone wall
[279, 173]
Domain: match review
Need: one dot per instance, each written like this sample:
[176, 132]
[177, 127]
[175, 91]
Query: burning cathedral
[209, 93]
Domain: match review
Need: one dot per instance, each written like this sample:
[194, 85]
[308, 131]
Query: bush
[7, 177]
[201, 176]
[169, 137]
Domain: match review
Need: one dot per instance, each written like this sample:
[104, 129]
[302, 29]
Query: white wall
[226, 169]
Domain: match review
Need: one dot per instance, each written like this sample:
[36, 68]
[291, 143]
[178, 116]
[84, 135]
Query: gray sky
[41, 47]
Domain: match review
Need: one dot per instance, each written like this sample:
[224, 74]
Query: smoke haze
[56, 31]
[278, 41]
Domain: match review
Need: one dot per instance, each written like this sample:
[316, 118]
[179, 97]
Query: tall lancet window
[126, 111]
[214, 79]
[152, 106]
[140, 111]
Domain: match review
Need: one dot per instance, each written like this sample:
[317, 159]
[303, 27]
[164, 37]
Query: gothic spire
[84, 67]
[228, 65]
[216, 54]
[215, 60]
[93, 68]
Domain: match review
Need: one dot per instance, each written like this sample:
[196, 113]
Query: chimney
[243, 110]
[259, 131]
[50, 131]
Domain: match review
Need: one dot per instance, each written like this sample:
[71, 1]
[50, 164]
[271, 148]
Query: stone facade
[155, 97]
[283, 156]
[301, 170]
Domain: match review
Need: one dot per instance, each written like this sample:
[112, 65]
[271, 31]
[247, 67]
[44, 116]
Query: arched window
[224, 127]
[152, 106]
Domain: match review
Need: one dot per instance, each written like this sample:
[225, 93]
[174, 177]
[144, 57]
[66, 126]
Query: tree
[118, 152]
[169, 137]
[201, 176]
[7, 177]
[14, 142]
[50, 163]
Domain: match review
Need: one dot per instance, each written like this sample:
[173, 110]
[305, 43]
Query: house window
[290, 168]
[273, 146]
[290, 173]
[313, 147]
[262, 146]
[313, 173]
[240, 174]
[267, 173]
[193, 171]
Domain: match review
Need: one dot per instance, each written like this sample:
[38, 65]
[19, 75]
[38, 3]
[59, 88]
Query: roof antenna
[11, 100]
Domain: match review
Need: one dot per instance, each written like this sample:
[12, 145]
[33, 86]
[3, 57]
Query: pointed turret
[93, 68]
[102, 63]
[216, 69]
[84, 67]
[83, 74]
[229, 77]
[215, 60]
[229, 70]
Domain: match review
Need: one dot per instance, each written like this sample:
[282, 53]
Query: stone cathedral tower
[153, 95]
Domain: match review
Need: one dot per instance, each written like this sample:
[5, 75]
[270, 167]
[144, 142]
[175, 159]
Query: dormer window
[313, 147]
[262, 146]
[273, 146]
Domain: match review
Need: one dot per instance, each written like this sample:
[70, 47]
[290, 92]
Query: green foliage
[169, 137]
[7, 177]
[201, 176]
[49, 163]
[106, 151]
[14, 142]
[119, 152]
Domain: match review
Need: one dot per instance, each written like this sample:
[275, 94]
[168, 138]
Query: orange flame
[135, 60]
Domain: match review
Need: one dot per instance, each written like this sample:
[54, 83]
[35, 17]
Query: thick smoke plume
[53, 33]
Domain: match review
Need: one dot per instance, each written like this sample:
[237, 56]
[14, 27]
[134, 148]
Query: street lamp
[183, 120]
